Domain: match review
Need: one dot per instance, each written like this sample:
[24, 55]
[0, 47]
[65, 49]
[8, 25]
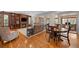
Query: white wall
[45, 15]
[52, 15]
[78, 24]
[52, 18]
[33, 20]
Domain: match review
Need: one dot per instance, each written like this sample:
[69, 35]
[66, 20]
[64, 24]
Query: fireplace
[24, 22]
[24, 19]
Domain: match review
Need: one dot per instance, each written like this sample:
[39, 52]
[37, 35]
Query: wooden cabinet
[13, 20]
[23, 21]
[17, 20]
[39, 24]
[1, 20]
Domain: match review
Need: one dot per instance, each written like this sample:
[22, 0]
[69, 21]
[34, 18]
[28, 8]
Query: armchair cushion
[8, 35]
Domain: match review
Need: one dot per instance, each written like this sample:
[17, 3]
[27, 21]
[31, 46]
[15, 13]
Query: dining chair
[48, 30]
[65, 35]
[52, 34]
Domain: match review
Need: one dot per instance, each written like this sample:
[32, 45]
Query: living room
[39, 29]
[27, 28]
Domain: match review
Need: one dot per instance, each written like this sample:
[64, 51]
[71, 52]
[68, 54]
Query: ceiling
[33, 13]
[29, 12]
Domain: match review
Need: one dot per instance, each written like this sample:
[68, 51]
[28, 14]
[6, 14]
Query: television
[23, 19]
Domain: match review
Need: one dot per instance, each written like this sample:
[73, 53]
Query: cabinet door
[6, 20]
[12, 21]
[17, 20]
[1, 20]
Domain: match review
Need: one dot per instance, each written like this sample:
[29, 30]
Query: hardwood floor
[39, 41]
[78, 39]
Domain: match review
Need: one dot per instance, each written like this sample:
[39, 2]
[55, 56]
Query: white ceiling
[29, 12]
[33, 13]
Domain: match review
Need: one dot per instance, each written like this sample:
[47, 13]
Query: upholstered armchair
[7, 35]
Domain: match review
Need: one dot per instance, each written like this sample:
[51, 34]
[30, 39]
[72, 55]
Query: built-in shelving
[13, 20]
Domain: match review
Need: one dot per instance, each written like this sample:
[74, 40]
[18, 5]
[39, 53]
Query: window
[56, 21]
[64, 21]
[47, 20]
[5, 20]
[72, 20]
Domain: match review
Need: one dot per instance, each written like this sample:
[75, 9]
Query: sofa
[7, 35]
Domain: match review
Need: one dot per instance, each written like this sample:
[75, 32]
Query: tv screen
[23, 19]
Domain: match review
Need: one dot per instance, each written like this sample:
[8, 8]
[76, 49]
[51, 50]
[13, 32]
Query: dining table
[56, 32]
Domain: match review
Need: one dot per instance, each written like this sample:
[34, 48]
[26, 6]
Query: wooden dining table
[57, 32]
[62, 30]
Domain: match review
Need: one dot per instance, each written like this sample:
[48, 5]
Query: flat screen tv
[24, 19]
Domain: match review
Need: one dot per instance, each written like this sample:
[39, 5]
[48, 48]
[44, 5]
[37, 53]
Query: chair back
[68, 31]
[47, 28]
